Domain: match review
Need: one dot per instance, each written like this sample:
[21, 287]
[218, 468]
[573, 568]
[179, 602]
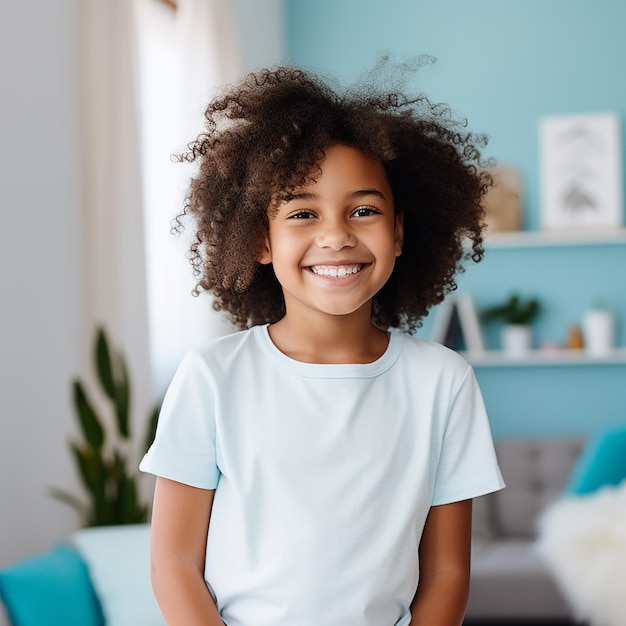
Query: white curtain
[114, 253]
[148, 74]
[184, 55]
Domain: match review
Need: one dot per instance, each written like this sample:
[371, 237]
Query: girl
[317, 468]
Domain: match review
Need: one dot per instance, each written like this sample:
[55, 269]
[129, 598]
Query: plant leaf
[127, 508]
[151, 427]
[103, 512]
[104, 365]
[91, 469]
[91, 427]
[122, 399]
[127, 500]
[70, 499]
[111, 488]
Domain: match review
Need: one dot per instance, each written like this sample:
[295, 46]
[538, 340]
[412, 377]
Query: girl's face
[334, 244]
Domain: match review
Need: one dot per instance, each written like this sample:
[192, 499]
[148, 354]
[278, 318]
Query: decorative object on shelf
[517, 339]
[599, 331]
[457, 325]
[574, 339]
[502, 203]
[104, 459]
[581, 171]
[517, 315]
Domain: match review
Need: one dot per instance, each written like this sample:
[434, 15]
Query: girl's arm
[444, 555]
[180, 524]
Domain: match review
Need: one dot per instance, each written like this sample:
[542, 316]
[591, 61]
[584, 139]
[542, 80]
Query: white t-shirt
[324, 474]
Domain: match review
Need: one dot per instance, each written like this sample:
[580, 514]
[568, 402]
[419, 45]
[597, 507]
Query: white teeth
[336, 271]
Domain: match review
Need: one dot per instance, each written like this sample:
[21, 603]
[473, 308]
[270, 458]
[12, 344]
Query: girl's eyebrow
[303, 196]
[361, 193]
[367, 192]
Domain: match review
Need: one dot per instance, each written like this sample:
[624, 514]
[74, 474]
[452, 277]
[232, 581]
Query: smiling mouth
[336, 271]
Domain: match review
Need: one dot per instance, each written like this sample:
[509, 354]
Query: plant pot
[516, 339]
[598, 332]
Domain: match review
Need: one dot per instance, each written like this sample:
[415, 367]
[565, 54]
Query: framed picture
[581, 171]
[457, 325]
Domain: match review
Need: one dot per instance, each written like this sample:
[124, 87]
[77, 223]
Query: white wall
[42, 338]
[40, 265]
[40, 269]
[263, 36]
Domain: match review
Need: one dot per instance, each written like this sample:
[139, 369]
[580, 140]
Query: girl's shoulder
[227, 342]
[217, 355]
[417, 351]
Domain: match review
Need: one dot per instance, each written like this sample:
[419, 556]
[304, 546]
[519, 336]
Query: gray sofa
[509, 579]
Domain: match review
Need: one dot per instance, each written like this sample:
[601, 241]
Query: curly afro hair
[266, 136]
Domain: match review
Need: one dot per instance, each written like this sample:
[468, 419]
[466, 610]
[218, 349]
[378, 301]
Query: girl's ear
[265, 254]
[399, 233]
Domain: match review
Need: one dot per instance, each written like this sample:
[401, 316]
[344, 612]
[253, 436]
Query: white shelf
[545, 239]
[537, 239]
[497, 358]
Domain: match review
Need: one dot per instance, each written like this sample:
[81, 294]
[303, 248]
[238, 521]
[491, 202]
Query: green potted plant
[517, 315]
[104, 456]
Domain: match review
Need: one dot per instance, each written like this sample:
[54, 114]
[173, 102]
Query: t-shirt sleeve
[184, 448]
[467, 465]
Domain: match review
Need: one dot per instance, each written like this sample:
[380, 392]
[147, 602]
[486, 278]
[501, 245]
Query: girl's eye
[302, 215]
[364, 211]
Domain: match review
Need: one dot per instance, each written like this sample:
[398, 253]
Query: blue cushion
[602, 462]
[53, 589]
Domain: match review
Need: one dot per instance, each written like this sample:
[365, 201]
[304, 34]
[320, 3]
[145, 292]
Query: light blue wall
[503, 64]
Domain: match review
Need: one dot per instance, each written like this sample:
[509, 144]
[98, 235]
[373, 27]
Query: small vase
[516, 339]
[598, 332]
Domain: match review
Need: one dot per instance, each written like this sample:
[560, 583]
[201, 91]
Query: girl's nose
[336, 235]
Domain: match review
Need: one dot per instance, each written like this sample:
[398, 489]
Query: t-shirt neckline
[330, 370]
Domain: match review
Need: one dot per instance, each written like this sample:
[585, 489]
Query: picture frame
[457, 325]
[581, 171]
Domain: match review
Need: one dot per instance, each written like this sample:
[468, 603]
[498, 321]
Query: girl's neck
[330, 339]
